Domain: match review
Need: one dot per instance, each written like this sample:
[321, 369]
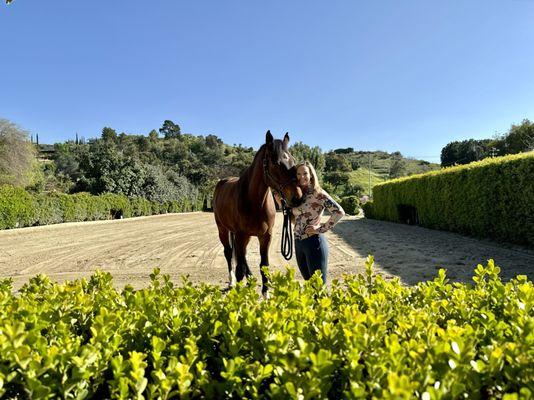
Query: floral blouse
[311, 211]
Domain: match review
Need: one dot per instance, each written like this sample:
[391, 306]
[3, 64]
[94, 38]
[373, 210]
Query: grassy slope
[380, 168]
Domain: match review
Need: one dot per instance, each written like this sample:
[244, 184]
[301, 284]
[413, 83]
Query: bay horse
[244, 206]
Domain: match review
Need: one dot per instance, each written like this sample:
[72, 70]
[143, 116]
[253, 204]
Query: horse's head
[279, 170]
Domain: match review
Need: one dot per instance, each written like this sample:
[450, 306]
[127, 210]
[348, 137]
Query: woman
[311, 248]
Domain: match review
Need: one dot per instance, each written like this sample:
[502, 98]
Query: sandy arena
[188, 244]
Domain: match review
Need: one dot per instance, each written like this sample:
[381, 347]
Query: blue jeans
[312, 255]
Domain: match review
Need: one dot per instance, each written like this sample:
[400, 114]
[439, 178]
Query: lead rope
[287, 234]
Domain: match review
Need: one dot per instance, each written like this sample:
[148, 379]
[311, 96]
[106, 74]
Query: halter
[286, 245]
[279, 187]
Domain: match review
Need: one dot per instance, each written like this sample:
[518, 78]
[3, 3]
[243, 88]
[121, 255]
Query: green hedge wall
[19, 208]
[492, 198]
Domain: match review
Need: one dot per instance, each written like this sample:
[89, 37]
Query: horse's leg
[224, 236]
[241, 242]
[265, 242]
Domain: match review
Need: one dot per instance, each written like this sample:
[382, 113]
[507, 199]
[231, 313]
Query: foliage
[398, 167]
[170, 130]
[466, 151]
[491, 198]
[337, 163]
[303, 152]
[520, 138]
[351, 204]
[19, 208]
[166, 170]
[368, 210]
[367, 338]
[17, 156]
[336, 179]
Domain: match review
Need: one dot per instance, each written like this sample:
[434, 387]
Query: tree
[17, 155]
[170, 186]
[170, 130]
[520, 138]
[465, 151]
[153, 135]
[347, 150]
[397, 167]
[353, 190]
[303, 152]
[66, 161]
[337, 179]
[109, 135]
[337, 162]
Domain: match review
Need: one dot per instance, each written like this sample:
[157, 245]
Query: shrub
[368, 209]
[365, 338]
[17, 207]
[48, 209]
[351, 204]
[491, 198]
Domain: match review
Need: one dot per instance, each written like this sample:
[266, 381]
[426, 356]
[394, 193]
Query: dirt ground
[188, 244]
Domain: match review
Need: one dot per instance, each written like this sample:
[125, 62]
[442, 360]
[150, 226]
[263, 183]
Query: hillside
[383, 166]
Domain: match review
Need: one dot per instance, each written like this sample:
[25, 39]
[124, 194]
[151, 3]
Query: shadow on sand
[416, 254]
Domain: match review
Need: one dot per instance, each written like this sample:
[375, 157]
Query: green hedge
[19, 208]
[366, 338]
[491, 198]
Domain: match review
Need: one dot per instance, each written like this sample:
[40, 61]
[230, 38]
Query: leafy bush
[367, 338]
[17, 207]
[368, 209]
[48, 210]
[351, 204]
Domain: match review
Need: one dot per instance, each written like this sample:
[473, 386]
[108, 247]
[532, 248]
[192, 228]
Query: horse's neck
[253, 180]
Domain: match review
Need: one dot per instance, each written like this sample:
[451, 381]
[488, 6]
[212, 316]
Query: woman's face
[303, 176]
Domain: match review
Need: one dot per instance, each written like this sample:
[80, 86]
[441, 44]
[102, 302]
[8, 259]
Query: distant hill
[383, 166]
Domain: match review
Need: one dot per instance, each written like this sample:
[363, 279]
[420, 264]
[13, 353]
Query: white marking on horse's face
[287, 159]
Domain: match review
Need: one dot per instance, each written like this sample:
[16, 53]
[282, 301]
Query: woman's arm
[335, 210]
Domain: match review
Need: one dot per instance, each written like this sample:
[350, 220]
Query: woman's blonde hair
[314, 181]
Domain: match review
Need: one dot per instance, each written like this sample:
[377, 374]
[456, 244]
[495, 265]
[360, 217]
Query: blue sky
[405, 76]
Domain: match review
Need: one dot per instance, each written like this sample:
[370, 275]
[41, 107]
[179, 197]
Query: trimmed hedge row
[19, 208]
[492, 198]
[365, 338]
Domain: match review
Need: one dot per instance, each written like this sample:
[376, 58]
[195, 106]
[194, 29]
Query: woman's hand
[312, 229]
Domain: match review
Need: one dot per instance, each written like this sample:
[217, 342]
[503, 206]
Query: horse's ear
[286, 139]
[269, 138]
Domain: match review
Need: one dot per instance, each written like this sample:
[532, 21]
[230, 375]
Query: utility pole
[370, 174]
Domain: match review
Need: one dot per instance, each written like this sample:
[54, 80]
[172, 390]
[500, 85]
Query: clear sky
[393, 75]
